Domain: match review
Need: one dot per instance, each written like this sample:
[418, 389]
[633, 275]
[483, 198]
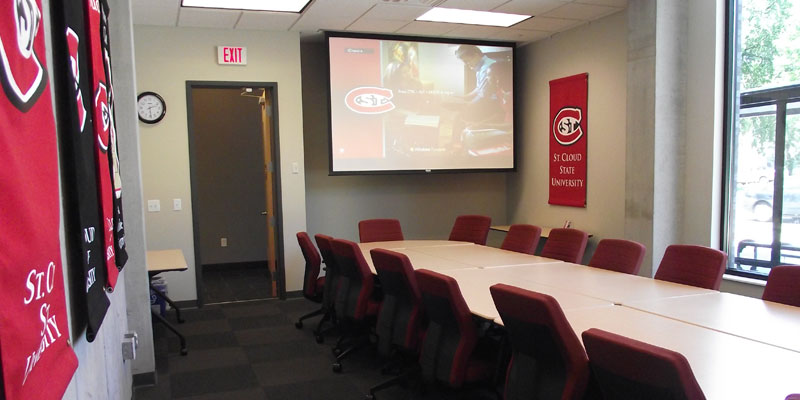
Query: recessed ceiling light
[472, 17]
[255, 5]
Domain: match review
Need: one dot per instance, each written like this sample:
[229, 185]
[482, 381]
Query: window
[762, 220]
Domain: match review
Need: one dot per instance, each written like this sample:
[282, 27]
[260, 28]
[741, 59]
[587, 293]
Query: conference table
[738, 347]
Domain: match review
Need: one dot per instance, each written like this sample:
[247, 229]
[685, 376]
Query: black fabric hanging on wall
[83, 225]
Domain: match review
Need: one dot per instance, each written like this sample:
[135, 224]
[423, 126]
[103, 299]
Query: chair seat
[481, 365]
[373, 306]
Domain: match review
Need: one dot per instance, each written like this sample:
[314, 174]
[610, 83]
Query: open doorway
[235, 190]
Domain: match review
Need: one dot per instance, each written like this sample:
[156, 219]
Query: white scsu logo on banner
[23, 77]
[567, 126]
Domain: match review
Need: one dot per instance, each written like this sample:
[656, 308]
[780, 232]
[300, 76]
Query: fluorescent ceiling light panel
[256, 5]
[471, 17]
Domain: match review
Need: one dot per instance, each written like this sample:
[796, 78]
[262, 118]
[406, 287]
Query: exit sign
[227, 55]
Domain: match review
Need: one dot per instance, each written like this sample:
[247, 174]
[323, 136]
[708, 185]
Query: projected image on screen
[410, 105]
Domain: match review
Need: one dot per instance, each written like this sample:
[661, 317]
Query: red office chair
[313, 284]
[692, 265]
[324, 242]
[379, 230]
[471, 228]
[448, 353]
[783, 285]
[354, 297]
[547, 359]
[629, 369]
[618, 255]
[522, 238]
[566, 245]
[401, 322]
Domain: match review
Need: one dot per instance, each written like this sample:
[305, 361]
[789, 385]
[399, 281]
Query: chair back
[400, 318]
[565, 244]
[618, 255]
[522, 238]
[379, 230]
[471, 228]
[313, 261]
[629, 369]
[325, 244]
[547, 359]
[451, 336]
[355, 280]
[783, 285]
[692, 265]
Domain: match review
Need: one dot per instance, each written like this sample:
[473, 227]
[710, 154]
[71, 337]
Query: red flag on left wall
[37, 360]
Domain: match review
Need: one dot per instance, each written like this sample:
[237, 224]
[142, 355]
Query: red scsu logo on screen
[369, 100]
[567, 125]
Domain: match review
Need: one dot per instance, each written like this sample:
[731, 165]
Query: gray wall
[426, 205]
[228, 167]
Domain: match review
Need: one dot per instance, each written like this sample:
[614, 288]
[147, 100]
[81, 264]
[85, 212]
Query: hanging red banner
[567, 130]
[37, 360]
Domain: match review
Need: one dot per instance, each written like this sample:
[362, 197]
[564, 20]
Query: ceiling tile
[396, 12]
[426, 28]
[155, 12]
[612, 3]
[480, 5]
[272, 21]
[473, 31]
[337, 8]
[207, 18]
[520, 35]
[529, 7]
[586, 12]
[548, 24]
[316, 23]
[376, 25]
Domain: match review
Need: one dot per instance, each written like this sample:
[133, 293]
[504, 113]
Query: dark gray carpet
[251, 350]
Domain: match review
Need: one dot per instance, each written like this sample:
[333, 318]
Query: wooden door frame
[271, 87]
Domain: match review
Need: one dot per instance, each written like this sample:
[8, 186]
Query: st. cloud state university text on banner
[567, 131]
[37, 361]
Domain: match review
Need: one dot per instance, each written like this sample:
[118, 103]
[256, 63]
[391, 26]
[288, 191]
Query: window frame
[733, 103]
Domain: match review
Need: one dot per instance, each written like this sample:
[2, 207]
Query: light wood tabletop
[474, 284]
[483, 256]
[166, 260]
[418, 260]
[727, 367]
[755, 319]
[607, 285]
[410, 244]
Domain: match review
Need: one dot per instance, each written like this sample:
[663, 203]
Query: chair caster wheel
[337, 351]
[298, 324]
[184, 352]
[319, 338]
[370, 397]
[337, 367]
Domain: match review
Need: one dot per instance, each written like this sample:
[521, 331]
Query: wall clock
[151, 107]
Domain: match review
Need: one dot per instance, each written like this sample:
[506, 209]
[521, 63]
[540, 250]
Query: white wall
[599, 48]
[165, 59]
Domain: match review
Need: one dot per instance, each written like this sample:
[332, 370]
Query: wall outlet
[223, 242]
[176, 205]
[153, 205]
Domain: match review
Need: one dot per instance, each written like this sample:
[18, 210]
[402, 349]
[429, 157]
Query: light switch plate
[153, 205]
[176, 204]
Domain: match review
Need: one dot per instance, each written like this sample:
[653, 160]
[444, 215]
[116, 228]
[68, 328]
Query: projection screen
[410, 105]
